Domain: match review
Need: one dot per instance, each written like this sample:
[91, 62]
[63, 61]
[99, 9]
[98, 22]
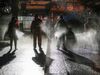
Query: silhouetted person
[12, 33]
[70, 34]
[69, 38]
[62, 21]
[37, 35]
[62, 25]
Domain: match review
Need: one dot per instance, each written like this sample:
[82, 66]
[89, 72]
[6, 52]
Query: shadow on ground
[80, 59]
[7, 58]
[42, 60]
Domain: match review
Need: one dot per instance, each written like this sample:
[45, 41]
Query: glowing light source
[36, 7]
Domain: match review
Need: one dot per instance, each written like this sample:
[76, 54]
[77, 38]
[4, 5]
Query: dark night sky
[93, 4]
